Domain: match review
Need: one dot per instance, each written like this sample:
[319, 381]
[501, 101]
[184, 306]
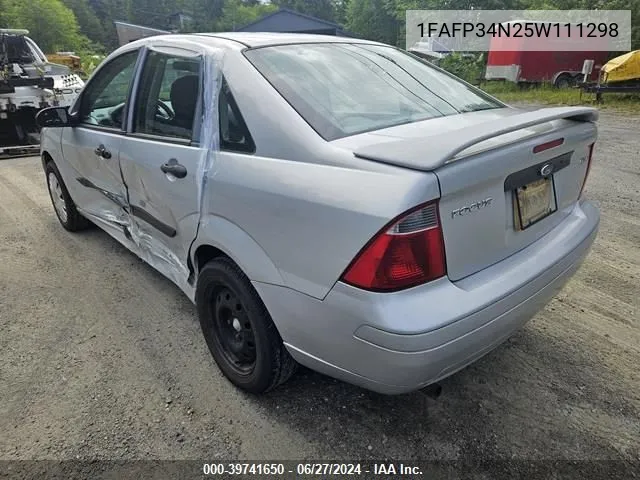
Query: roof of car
[264, 39]
[238, 41]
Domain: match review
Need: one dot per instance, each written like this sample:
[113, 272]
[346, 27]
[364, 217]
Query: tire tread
[284, 366]
[75, 221]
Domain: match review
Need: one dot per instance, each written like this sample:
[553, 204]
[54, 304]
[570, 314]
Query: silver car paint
[480, 175]
[495, 237]
[294, 214]
[399, 342]
[117, 189]
[446, 146]
[298, 222]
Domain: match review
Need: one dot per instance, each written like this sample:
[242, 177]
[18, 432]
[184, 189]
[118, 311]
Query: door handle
[174, 168]
[102, 152]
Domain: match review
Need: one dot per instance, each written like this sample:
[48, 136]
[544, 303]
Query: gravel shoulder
[101, 357]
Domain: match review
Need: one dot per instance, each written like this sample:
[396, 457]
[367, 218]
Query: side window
[168, 96]
[234, 134]
[105, 96]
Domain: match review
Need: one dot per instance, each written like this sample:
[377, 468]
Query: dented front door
[91, 149]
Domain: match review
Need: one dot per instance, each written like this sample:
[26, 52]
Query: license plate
[533, 202]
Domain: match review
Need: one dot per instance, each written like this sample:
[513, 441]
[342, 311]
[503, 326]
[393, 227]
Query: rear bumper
[399, 342]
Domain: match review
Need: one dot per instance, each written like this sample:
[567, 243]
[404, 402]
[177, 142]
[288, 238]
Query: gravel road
[101, 357]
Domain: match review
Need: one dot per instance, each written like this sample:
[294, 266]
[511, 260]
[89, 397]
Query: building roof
[286, 20]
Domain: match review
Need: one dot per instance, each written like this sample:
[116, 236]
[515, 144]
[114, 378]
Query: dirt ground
[101, 357]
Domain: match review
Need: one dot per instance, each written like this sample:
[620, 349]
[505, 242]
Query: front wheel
[238, 329]
[63, 205]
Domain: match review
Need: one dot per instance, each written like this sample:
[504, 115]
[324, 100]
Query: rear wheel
[238, 329]
[64, 207]
[564, 81]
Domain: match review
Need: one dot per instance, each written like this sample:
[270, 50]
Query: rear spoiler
[433, 152]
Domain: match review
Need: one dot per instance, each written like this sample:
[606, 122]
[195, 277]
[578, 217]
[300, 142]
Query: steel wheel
[238, 329]
[233, 331]
[57, 197]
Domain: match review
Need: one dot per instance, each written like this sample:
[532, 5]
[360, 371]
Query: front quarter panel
[51, 147]
[50, 144]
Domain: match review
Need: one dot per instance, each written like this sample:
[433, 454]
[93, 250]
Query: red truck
[513, 60]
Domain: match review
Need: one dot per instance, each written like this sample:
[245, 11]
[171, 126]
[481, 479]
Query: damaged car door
[91, 147]
[160, 157]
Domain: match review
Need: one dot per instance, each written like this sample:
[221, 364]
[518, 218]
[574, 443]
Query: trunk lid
[480, 165]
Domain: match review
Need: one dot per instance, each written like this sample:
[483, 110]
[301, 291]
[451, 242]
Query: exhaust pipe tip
[432, 391]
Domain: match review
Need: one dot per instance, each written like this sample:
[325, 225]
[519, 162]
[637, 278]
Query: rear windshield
[345, 89]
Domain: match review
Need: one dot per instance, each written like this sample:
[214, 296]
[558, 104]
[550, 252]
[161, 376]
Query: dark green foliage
[87, 25]
[468, 67]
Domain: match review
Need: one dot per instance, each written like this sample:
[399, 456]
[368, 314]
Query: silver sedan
[332, 202]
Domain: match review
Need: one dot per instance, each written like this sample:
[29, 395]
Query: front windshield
[345, 89]
[35, 50]
[17, 50]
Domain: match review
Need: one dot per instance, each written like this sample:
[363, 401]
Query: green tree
[373, 20]
[51, 24]
[633, 5]
[341, 8]
[90, 24]
[206, 13]
[468, 67]
[152, 13]
[107, 11]
[237, 13]
[324, 9]
[66, 24]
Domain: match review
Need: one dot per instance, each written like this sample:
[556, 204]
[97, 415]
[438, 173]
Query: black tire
[224, 296]
[69, 217]
[564, 81]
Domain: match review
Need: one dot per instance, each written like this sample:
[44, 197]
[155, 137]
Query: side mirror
[55, 117]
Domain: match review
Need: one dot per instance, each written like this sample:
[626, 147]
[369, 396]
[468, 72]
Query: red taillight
[586, 174]
[407, 252]
[546, 146]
